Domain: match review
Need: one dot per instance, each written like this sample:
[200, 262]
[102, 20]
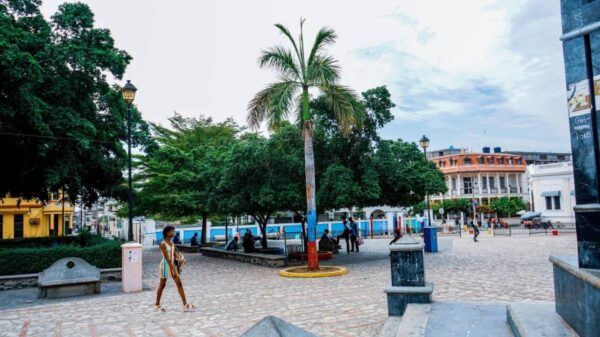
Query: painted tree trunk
[303, 225]
[311, 204]
[203, 236]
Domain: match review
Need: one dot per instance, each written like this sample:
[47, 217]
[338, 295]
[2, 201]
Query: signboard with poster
[582, 135]
[578, 97]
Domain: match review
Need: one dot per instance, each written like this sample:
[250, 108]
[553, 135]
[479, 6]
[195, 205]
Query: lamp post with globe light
[128, 92]
[424, 142]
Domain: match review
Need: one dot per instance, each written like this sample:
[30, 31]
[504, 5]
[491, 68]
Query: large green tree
[180, 180]
[345, 171]
[507, 206]
[262, 176]
[299, 72]
[405, 176]
[62, 124]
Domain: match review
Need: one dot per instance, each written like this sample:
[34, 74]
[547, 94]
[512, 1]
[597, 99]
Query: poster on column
[582, 138]
[578, 97]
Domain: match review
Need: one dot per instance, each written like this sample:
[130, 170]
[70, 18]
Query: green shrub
[37, 242]
[32, 260]
[84, 238]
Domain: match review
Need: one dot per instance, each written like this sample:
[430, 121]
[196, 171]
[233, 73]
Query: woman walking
[167, 269]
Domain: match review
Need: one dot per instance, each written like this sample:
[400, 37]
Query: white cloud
[445, 62]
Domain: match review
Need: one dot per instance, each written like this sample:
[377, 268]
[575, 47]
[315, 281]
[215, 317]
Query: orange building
[482, 176]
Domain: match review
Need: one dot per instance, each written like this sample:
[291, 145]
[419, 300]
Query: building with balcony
[20, 218]
[482, 176]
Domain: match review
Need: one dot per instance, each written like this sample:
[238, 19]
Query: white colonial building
[552, 190]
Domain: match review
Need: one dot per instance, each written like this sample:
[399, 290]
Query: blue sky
[467, 73]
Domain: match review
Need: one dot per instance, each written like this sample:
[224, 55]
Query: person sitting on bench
[328, 243]
[233, 244]
[248, 242]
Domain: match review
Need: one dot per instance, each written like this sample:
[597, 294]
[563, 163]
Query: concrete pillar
[408, 276]
[498, 183]
[131, 267]
[487, 177]
[479, 183]
[507, 184]
[518, 177]
[458, 184]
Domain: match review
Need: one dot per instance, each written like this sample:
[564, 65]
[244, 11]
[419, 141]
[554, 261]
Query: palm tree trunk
[311, 204]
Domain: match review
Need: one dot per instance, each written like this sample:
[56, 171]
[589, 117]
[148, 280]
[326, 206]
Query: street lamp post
[128, 92]
[424, 142]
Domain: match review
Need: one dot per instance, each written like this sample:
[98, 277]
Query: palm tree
[289, 96]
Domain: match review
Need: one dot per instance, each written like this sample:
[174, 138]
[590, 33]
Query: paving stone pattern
[233, 296]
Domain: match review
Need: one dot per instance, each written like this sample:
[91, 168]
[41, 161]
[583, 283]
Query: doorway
[18, 226]
[56, 225]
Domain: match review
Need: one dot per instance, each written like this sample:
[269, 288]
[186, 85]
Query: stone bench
[274, 261]
[66, 277]
[187, 248]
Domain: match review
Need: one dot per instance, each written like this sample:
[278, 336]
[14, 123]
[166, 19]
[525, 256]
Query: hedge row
[84, 238]
[34, 260]
[38, 242]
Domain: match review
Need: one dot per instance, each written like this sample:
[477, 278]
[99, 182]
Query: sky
[466, 73]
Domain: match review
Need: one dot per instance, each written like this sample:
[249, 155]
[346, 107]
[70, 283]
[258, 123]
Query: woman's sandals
[159, 308]
[189, 307]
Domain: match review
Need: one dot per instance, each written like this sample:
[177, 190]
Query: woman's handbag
[179, 261]
[359, 240]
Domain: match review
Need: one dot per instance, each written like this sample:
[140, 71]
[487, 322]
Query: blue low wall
[293, 229]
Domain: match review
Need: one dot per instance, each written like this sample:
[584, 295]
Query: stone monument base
[577, 292]
[398, 298]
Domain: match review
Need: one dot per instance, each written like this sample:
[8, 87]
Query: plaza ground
[232, 296]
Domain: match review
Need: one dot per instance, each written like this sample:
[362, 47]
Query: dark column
[581, 47]
[408, 276]
[577, 280]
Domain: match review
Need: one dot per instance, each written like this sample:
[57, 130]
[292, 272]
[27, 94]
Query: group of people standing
[350, 234]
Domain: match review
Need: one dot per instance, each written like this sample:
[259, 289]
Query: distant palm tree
[289, 96]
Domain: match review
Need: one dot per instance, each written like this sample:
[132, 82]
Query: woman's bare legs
[180, 289]
[159, 291]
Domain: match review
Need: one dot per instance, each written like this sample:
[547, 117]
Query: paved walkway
[233, 296]
[472, 319]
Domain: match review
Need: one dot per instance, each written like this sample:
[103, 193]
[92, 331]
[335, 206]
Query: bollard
[408, 276]
[131, 267]
[430, 236]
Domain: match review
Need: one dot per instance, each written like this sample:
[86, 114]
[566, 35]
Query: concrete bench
[220, 237]
[66, 277]
[274, 261]
[187, 248]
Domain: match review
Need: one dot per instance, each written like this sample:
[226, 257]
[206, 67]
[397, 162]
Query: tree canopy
[62, 124]
[206, 168]
[264, 175]
[507, 206]
[180, 179]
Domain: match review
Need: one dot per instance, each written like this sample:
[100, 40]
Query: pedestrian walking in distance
[353, 234]
[475, 232]
[167, 269]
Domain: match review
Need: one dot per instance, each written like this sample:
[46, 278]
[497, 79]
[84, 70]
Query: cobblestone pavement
[232, 296]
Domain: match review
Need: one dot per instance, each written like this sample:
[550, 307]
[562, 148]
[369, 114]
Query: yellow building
[32, 218]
